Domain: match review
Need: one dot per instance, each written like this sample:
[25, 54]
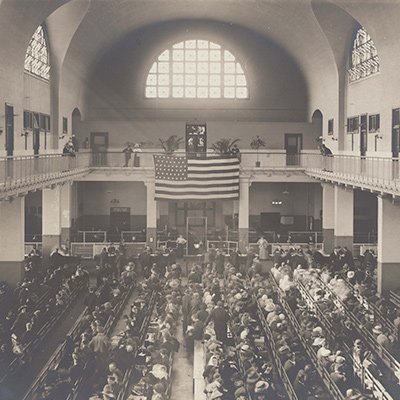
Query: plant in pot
[223, 147]
[171, 144]
[256, 144]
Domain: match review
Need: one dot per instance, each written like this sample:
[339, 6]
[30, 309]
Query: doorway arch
[76, 127]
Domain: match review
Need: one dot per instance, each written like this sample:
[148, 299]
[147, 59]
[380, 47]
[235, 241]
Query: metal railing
[370, 172]
[90, 250]
[32, 169]
[224, 245]
[309, 237]
[356, 169]
[144, 159]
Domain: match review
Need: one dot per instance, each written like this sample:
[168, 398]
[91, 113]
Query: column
[12, 232]
[66, 210]
[243, 228]
[328, 217]
[51, 222]
[344, 217]
[388, 243]
[151, 215]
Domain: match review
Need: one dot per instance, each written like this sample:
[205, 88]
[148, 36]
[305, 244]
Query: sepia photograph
[199, 200]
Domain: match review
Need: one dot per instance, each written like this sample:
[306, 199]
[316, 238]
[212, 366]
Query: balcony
[377, 174]
[21, 174]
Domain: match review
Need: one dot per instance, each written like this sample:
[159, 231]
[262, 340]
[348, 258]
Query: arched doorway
[76, 128]
[317, 121]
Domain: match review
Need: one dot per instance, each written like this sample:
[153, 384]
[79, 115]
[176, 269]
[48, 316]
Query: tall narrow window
[37, 55]
[196, 69]
[364, 56]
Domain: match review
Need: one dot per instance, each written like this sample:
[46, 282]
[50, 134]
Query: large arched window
[196, 69]
[37, 55]
[364, 56]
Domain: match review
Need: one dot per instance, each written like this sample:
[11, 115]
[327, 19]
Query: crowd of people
[221, 307]
[34, 302]
[333, 335]
[288, 347]
[88, 348]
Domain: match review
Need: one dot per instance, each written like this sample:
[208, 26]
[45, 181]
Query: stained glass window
[196, 69]
[37, 55]
[364, 57]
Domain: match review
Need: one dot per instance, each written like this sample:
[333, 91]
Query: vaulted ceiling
[315, 34]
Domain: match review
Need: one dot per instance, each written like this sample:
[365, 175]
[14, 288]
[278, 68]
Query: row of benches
[73, 334]
[367, 380]
[29, 349]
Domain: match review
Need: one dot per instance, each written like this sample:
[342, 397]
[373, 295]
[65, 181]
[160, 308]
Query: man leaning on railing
[326, 151]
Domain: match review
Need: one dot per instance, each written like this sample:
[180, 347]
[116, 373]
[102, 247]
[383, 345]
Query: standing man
[249, 259]
[220, 318]
[186, 299]
[128, 153]
[220, 263]
[145, 259]
[234, 259]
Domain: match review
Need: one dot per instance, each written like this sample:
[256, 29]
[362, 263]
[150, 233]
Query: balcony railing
[370, 172]
[249, 159]
[24, 171]
[375, 173]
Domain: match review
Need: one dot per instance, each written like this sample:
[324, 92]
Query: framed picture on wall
[196, 139]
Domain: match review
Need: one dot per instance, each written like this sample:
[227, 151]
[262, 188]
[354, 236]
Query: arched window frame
[364, 59]
[37, 57]
[176, 81]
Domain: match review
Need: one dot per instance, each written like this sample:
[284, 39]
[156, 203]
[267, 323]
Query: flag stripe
[199, 181]
[197, 191]
[196, 197]
[179, 178]
[213, 160]
[207, 188]
[212, 170]
[184, 185]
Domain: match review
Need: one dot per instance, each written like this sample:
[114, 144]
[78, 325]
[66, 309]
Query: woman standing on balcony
[263, 246]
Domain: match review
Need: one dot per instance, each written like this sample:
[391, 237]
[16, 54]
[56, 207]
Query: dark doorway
[317, 122]
[9, 130]
[395, 141]
[363, 135]
[293, 146]
[395, 132]
[120, 220]
[99, 146]
[76, 123]
[36, 133]
[270, 222]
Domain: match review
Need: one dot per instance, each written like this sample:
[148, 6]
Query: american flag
[182, 178]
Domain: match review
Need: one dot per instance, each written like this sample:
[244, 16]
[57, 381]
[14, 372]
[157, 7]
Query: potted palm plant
[171, 144]
[256, 144]
[223, 147]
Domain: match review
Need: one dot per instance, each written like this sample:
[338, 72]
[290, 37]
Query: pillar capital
[149, 181]
[245, 180]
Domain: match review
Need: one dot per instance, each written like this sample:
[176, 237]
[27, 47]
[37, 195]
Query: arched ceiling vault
[303, 28]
